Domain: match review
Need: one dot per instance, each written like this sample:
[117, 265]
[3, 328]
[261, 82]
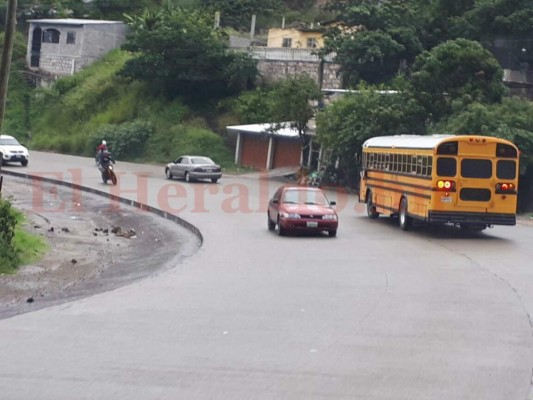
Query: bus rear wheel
[405, 220]
[371, 208]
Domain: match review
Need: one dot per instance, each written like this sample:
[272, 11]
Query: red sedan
[302, 209]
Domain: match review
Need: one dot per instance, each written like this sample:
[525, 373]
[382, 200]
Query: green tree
[294, 101]
[485, 19]
[291, 102]
[373, 40]
[255, 106]
[178, 52]
[347, 123]
[455, 74]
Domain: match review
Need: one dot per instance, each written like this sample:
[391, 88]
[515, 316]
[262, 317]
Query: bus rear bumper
[471, 218]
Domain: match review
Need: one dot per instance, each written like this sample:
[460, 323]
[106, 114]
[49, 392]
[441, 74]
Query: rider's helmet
[104, 142]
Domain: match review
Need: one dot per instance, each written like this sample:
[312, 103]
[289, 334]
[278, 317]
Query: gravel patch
[95, 245]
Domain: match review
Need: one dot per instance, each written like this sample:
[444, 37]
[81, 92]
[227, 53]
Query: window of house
[287, 42]
[71, 37]
[312, 43]
[51, 36]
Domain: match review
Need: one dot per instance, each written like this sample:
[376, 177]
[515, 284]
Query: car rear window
[201, 160]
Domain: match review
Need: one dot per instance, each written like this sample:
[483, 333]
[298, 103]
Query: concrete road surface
[376, 313]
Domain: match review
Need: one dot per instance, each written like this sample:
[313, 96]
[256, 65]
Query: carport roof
[261, 129]
[73, 21]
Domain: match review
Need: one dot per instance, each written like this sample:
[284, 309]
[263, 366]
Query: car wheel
[214, 180]
[271, 224]
[168, 173]
[24, 163]
[187, 177]
[332, 233]
[405, 220]
[281, 230]
[370, 208]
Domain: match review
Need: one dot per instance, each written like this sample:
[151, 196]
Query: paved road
[375, 313]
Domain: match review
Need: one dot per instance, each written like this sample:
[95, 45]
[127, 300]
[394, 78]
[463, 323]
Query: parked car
[13, 151]
[302, 209]
[192, 168]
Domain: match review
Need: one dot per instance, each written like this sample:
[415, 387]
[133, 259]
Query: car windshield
[201, 160]
[9, 142]
[298, 196]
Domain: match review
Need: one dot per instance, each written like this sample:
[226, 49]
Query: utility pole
[252, 28]
[9, 38]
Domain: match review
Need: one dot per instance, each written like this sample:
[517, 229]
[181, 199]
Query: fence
[284, 54]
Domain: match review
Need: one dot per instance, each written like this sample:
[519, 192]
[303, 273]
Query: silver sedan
[192, 168]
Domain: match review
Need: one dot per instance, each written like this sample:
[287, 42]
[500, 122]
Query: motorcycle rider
[101, 147]
[104, 160]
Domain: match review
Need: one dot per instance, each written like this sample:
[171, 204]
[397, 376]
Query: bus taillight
[445, 185]
[505, 187]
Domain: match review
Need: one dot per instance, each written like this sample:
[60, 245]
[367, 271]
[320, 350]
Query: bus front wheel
[371, 208]
[405, 220]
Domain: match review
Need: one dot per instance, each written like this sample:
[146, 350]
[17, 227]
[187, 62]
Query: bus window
[406, 163]
[419, 165]
[424, 166]
[446, 166]
[370, 163]
[504, 150]
[506, 169]
[449, 148]
[412, 167]
[430, 165]
[471, 168]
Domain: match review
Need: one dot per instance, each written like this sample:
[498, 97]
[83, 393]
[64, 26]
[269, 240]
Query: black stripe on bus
[412, 185]
[407, 174]
[415, 194]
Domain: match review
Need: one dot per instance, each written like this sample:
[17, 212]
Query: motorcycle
[108, 173]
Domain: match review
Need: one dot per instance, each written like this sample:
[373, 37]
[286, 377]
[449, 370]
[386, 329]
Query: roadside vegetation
[17, 245]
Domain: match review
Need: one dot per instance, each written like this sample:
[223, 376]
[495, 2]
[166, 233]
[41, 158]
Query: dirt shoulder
[95, 245]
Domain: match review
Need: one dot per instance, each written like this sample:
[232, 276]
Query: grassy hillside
[79, 111]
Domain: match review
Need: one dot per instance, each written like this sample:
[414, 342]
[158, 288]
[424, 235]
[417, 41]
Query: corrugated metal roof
[73, 21]
[406, 141]
[268, 129]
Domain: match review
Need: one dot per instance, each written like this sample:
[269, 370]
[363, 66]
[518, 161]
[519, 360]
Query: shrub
[185, 139]
[127, 140]
[9, 257]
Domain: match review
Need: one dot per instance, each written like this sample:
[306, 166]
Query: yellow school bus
[470, 181]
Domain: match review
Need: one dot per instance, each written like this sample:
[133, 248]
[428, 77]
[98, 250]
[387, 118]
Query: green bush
[9, 256]
[127, 140]
[184, 139]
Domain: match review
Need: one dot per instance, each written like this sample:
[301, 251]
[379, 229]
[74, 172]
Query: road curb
[141, 206]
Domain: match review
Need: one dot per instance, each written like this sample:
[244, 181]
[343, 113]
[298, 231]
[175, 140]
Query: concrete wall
[275, 70]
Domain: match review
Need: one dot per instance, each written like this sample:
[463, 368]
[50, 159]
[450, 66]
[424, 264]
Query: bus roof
[421, 141]
[406, 141]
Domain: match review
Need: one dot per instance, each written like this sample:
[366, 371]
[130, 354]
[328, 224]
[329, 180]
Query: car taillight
[505, 187]
[445, 185]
